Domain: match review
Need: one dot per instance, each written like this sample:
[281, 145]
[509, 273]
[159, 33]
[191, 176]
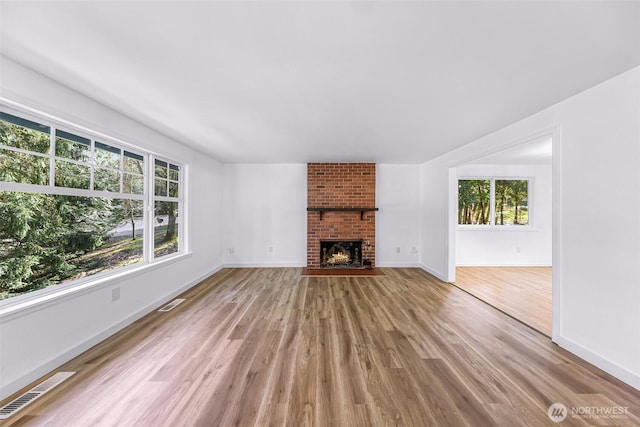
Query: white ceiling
[386, 81]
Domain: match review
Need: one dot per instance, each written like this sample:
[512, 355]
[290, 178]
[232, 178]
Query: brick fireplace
[341, 200]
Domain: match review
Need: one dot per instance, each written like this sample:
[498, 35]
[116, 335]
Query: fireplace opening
[341, 254]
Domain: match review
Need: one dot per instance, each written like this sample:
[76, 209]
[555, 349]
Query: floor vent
[20, 402]
[172, 304]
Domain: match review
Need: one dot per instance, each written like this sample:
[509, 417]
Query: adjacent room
[358, 213]
[504, 231]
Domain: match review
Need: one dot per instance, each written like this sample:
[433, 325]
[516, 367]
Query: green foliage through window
[474, 201]
[510, 201]
[24, 149]
[166, 228]
[47, 239]
[85, 216]
[166, 190]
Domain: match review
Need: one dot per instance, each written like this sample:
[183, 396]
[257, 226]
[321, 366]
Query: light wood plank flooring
[521, 292]
[261, 347]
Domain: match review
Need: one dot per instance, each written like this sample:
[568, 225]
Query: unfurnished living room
[321, 213]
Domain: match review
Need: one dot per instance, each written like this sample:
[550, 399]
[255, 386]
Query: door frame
[555, 133]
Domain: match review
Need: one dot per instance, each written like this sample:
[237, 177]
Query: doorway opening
[502, 231]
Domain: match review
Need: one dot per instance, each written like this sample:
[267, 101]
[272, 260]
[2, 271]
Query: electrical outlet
[231, 251]
[115, 294]
[270, 249]
[397, 250]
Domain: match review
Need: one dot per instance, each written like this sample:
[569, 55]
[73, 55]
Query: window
[72, 206]
[166, 191]
[498, 202]
[511, 202]
[474, 201]
[24, 151]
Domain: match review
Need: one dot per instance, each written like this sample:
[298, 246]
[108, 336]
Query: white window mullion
[149, 232]
[530, 205]
[92, 164]
[52, 157]
[183, 242]
[23, 151]
[492, 201]
[121, 170]
[66, 191]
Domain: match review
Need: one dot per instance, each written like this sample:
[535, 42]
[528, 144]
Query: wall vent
[172, 304]
[28, 397]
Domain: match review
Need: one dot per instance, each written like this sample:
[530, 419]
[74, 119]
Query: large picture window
[492, 201]
[72, 206]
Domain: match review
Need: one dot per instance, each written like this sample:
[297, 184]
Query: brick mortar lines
[340, 185]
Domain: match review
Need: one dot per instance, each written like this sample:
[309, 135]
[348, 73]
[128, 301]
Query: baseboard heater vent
[21, 401]
[173, 304]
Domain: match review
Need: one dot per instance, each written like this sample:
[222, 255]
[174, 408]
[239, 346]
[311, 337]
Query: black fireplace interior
[343, 253]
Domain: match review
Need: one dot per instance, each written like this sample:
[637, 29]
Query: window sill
[499, 228]
[37, 300]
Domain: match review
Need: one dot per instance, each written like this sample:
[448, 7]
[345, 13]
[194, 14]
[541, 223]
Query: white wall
[265, 207]
[35, 341]
[509, 246]
[596, 242]
[398, 220]
[434, 237]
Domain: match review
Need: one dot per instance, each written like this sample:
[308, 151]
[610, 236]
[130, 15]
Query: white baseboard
[621, 373]
[434, 273]
[54, 363]
[398, 264]
[501, 265]
[264, 265]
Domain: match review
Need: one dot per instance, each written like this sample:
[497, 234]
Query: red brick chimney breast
[341, 185]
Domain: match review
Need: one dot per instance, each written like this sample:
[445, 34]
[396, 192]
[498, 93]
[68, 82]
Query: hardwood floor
[521, 292]
[342, 272]
[270, 347]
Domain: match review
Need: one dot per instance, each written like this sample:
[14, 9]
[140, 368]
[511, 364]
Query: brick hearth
[340, 185]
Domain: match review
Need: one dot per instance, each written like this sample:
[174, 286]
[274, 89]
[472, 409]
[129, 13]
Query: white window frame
[108, 277]
[492, 204]
[152, 198]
